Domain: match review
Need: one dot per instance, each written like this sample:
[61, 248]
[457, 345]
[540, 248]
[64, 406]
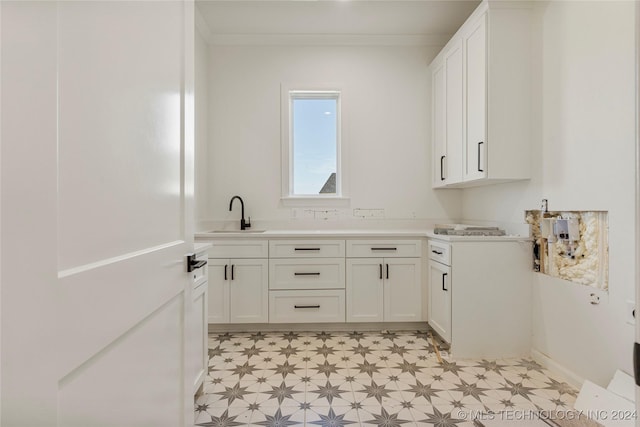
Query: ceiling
[424, 18]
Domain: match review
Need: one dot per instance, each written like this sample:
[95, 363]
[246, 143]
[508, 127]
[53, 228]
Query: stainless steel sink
[236, 231]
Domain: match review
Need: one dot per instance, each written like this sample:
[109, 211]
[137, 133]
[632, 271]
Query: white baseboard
[571, 377]
[317, 327]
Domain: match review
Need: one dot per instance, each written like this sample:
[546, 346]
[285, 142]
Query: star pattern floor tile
[335, 379]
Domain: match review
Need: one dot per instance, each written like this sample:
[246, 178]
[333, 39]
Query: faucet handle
[247, 224]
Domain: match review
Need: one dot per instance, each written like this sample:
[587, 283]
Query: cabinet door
[402, 290]
[248, 291]
[439, 126]
[454, 114]
[365, 300]
[218, 292]
[440, 299]
[199, 358]
[476, 163]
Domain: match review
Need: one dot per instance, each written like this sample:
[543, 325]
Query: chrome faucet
[243, 224]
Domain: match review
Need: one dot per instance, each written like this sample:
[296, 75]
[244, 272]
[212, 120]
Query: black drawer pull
[232, 271]
[225, 271]
[380, 271]
[442, 168]
[306, 274]
[444, 275]
[306, 306]
[479, 143]
[307, 249]
[387, 271]
[436, 252]
[384, 249]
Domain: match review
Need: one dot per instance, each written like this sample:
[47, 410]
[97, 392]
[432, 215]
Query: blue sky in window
[314, 143]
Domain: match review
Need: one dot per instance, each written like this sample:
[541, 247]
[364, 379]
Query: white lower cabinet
[481, 303]
[440, 299]
[238, 291]
[199, 356]
[384, 289]
[365, 290]
[308, 273]
[313, 306]
[402, 290]
[197, 349]
[315, 281]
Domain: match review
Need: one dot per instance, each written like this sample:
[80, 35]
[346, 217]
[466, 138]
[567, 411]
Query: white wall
[583, 160]
[386, 117]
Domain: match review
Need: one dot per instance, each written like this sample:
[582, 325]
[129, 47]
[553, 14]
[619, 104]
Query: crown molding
[438, 40]
[202, 27]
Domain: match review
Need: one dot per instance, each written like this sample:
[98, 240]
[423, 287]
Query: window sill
[318, 201]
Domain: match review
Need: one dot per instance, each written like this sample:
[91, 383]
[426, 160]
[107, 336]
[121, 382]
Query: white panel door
[402, 290]
[440, 299]
[365, 297]
[249, 291]
[97, 153]
[476, 164]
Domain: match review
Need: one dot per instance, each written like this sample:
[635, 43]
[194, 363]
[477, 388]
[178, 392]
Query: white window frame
[288, 93]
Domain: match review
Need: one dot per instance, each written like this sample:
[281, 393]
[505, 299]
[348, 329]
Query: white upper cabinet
[475, 164]
[448, 117]
[454, 113]
[482, 99]
[439, 124]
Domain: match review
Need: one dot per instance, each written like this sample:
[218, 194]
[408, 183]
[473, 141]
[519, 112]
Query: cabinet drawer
[306, 248]
[440, 251]
[308, 273]
[239, 249]
[384, 248]
[306, 306]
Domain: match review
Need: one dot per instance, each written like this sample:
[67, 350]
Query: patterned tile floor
[368, 379]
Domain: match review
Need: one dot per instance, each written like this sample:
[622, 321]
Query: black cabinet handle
[444, 275]
[442, 168]
[307, 249]
[306, 306]
[306, 274]
[232, 271]
[225, 271]
[380, 271]
[384, 249]
[479, 143]
[387, 271]
[436, 252]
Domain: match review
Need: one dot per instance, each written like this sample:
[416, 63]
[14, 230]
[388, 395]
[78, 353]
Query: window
[311, 145]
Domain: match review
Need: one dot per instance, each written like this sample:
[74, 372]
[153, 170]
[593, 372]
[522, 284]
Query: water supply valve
[567, 229]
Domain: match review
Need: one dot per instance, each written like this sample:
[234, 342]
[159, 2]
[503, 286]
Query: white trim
[571, 377]
[305, 327]
[637, 192]
[105, 262]
[432, 40]
[317, 201]
[202, 26]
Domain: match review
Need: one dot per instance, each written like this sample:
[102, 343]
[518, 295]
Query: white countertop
[201, 246]
[284, 234]
[431, 235]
